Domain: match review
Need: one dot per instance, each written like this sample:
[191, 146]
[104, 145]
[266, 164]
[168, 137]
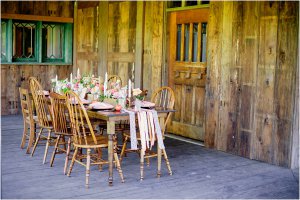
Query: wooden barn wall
[110, 28]
[252, 65]
[14, 76]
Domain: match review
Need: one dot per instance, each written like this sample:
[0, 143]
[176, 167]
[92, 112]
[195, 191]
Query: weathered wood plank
[213, 175]
[213, 73]
[37, 18]
[226, 63]
[265, 119]
[285, 82]
[139, 45]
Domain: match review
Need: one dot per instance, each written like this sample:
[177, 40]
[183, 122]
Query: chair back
[114, 78]
[40, 102]
[59, 112]
[27, 109]
[164, 97]
[80, 122]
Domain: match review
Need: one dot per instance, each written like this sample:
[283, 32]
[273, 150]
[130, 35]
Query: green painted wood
[38, 45]
[68, 43]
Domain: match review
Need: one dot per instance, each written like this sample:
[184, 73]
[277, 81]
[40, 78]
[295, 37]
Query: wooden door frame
[167, 61]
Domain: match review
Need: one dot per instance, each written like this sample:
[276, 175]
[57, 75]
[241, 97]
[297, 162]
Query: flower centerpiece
[83, 86]
[115, 95]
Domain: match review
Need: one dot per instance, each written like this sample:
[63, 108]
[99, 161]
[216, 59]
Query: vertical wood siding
[252, 64]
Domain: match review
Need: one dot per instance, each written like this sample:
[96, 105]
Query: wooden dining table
[111, 117]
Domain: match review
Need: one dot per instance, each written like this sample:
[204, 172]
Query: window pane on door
[24, 40]
[186, 41]
[178, 42]
[52, 35]
[203, 42]
[191, 3]
[195, 42]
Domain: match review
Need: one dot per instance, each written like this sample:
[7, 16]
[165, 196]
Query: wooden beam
[89, 4]
[120, 57]
[139, 45]
[103, 36]
[37, 18]
[75, 37]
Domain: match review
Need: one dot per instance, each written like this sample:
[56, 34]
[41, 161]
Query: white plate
[147, 104]
[84, 101]
[101, 106]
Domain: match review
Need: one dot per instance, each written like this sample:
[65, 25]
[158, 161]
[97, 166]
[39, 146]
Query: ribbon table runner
[133, 141]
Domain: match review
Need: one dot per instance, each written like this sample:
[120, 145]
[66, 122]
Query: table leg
[110, 133]
[159, 153]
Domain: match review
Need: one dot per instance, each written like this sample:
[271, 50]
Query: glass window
[174, 4]
[195, 42]
[24, 40]
[53, 36]
[191, 3]
[186, 41]
[3, 40]
[204, 2]
[203, 42]
[178, 45]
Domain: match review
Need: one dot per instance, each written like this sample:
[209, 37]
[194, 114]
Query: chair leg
[88, 163]
[24, 135]
[47, 146]
[123, 148]
[142, 164]
[64, 142]
[55, 150]
[148, 160]
[73, 161]
[99, 152]
[167, 162]
[31, 138]
[158, 161]
[36, 141]
[67, 156]
[118, 166]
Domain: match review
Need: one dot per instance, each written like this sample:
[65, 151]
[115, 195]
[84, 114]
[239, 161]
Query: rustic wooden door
[187, 70]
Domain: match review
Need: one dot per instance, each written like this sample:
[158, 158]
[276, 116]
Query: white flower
[136, 91]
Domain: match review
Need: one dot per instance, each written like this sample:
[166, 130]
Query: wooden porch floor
[198, 173]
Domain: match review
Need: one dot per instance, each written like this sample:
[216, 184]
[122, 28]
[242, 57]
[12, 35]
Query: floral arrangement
[113, 93]
[81, 85]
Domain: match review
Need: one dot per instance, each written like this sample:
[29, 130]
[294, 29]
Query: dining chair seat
[84, 142]
[35, 118]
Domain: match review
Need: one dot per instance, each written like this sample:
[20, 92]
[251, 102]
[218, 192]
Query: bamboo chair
[85, 138]
[43, 114]
[163, 97]
[29, 119]
[61, 126]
